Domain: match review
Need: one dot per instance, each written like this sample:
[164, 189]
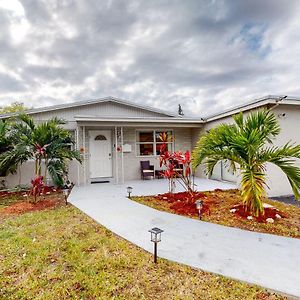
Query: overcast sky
[206, 55]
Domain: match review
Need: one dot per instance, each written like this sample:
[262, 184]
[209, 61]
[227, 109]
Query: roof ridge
[275, 98]
[89, 102]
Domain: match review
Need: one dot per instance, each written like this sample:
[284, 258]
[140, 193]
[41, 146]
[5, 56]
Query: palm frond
[57, 169]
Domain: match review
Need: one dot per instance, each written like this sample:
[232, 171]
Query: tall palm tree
[46, 143]
[247, 145]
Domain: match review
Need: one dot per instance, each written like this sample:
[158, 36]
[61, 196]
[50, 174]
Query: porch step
[101, 180]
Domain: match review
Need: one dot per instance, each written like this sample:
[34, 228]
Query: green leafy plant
[247, 145]
[47, 143]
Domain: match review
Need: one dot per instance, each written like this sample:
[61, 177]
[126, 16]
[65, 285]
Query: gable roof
[93, 101]
[267, 100]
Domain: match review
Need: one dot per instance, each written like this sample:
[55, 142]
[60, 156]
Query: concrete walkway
[263, 259]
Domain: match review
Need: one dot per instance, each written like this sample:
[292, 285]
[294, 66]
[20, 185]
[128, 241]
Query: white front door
[100, 153]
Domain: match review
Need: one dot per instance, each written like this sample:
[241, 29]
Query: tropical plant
[173, 162]
[6, 145]
[247, 145]
[47, 143]
[37, 187]
[15, 107]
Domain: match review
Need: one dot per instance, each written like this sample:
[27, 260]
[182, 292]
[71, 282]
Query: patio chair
[178, 168]
[147, 170]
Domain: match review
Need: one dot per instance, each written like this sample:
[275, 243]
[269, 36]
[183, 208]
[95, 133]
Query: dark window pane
[159, 133]
[145, 136]
[100, 137]
[146, 149]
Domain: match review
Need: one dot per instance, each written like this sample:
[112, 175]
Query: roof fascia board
[142, 120]
[237, 110]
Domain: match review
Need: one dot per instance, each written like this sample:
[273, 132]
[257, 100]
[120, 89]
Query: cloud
[206, 55]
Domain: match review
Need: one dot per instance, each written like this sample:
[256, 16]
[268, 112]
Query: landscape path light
[65, 191]
[199, 205]
[129, 191]
[155, 238]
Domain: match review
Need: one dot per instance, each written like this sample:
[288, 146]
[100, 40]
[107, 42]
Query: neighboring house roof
[93, 101]
[267, 100]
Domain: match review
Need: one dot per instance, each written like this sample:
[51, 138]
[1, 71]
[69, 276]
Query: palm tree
[247, 145]
[46, 143]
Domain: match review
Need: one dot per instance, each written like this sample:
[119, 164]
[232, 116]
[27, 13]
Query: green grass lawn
[63, 254]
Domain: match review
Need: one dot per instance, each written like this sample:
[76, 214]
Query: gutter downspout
[278, 101]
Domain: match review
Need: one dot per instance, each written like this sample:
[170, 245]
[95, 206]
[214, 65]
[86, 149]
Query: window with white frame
[148, 142]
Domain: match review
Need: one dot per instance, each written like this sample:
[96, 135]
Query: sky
[206, 55]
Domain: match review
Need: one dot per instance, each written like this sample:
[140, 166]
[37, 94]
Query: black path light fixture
[67, 187]
[155, 238]
[66, 191]
[129, 191]
[199, 205]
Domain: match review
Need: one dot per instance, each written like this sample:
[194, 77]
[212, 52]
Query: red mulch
[26, 206]
[269, 212]
[46, 190]
[184, 204]
[49, 198]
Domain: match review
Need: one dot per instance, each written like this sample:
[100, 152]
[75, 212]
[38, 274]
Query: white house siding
[196, 134]
[105, 109]
[290, 131]
[290, 124]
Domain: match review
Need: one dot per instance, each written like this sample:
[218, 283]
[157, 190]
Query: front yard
[221, 207]
[60, 253]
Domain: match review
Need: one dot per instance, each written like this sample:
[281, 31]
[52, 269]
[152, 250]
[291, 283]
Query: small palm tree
[46, 143]
[247, 145]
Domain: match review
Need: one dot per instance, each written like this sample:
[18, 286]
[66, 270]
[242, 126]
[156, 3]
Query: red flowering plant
[37, 187]
[177, 164]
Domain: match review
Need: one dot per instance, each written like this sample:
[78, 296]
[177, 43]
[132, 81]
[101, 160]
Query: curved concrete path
[263, 259]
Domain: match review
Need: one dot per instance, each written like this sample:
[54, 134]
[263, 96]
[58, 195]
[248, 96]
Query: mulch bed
[23, 202]
[184, 204]
[26, 206]
[269, 213]
[46, 191]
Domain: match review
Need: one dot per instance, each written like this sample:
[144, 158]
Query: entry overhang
[132, 121]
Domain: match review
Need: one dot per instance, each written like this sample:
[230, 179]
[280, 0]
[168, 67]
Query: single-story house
[114, 135]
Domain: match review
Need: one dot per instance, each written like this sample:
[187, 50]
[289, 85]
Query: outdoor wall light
[129, 191]
[199, 205]
[155, 238]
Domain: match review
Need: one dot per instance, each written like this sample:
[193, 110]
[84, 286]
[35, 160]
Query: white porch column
[122, 155]
[84, 155]
[116, 155]
[119, 155]
[78, 149]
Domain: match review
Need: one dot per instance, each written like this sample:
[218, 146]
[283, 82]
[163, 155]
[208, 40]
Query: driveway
[262, 259]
